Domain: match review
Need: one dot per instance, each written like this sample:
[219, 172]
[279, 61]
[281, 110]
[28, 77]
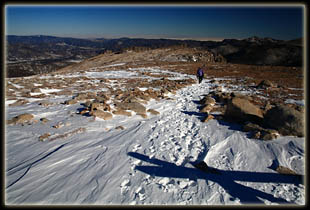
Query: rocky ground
[154, 103]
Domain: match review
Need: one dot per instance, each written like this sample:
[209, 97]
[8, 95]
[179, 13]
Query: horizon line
[216, 39]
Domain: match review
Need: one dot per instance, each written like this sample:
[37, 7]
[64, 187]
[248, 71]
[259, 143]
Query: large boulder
[286, 120]
[241, 110]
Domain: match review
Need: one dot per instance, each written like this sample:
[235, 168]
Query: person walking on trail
[200, 74]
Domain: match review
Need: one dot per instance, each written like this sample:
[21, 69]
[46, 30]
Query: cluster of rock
[205, 56]
[123, 103]
[105, 104]
[265, 123]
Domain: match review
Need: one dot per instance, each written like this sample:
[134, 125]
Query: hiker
[200, 74]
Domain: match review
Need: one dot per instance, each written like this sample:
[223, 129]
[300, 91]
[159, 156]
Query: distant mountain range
[28, 55]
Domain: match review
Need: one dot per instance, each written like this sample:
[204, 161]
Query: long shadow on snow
[227, 179]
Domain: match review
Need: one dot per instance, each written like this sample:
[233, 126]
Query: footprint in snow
[125, 186]
[140, 192]
[136, 147]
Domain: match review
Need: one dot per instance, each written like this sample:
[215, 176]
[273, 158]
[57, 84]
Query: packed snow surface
[150, 161]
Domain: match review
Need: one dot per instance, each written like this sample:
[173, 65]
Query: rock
[221, 97]
[286, 120]
[20, 119]
[248, 126]
[239, 95]
[119, 128]
[70, 102]
[58, 125]
[153, 112]
[45, 103]
[121, 112]
[63, 92]
[35, 90]
[19, 102]
[256, 135]
[99, 106]
[267, 106]
[101, 114]
[134, 106]
[242, 110]
[44, 136]
[207, 100]
[82, 96]
[260, 133]
[42, 95]
[269, 134]
[265, 84]
[206, 109]
[44, 120]
[209, 117]
[285, 170]
[143, 115]
[83, 111]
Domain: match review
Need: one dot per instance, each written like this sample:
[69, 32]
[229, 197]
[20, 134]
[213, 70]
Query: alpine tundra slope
[144, 160]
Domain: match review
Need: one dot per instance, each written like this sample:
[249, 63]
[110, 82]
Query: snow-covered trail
[149, 162]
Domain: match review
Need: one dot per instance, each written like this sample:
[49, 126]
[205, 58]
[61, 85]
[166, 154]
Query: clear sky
[160, 21]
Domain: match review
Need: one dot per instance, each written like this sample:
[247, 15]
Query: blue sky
[89, 21]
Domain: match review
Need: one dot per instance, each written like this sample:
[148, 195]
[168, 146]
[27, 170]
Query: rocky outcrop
[266, 123]
[286, 120]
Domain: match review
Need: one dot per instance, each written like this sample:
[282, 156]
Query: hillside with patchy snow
[70, 152]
